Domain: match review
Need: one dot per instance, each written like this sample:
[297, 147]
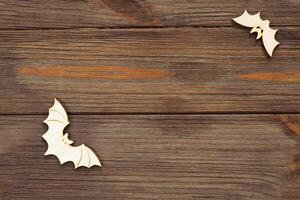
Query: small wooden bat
[261, 27]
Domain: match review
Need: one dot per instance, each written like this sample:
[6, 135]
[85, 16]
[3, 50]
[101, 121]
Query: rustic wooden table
[177, 100]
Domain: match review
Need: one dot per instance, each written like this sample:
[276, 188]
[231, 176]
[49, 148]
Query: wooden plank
[21, 14]
[156, 157]
[185, 70]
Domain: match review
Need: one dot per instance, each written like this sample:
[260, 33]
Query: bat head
[66, 140]
[259, 29]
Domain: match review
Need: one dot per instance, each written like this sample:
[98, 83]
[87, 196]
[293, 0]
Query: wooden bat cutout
[261, 27]
[59, 144]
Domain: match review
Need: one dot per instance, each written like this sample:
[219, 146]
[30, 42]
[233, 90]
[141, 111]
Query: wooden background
[177, 100]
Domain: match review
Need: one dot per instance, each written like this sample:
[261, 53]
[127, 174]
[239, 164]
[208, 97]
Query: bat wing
[80, 155]
[269, 41]
[59, 144]
[248, 20]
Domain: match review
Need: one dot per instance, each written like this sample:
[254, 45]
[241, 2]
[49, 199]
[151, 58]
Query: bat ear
[268, 22]
[69, 142]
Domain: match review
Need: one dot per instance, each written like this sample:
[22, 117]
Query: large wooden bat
[59, 144]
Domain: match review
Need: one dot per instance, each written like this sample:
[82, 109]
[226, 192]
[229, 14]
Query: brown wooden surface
[148, 70]
[177, 100]
[21, 14]
[157, 157]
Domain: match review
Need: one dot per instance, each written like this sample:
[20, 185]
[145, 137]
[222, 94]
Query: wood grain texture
[134, 75]
[188, 70]
[21, 14]
[222, 157]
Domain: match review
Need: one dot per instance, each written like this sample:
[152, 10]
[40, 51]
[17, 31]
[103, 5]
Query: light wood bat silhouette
[59, 144]
[261, 27]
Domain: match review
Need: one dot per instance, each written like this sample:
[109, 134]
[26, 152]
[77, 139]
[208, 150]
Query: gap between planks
[127, 27]
[157, 113]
